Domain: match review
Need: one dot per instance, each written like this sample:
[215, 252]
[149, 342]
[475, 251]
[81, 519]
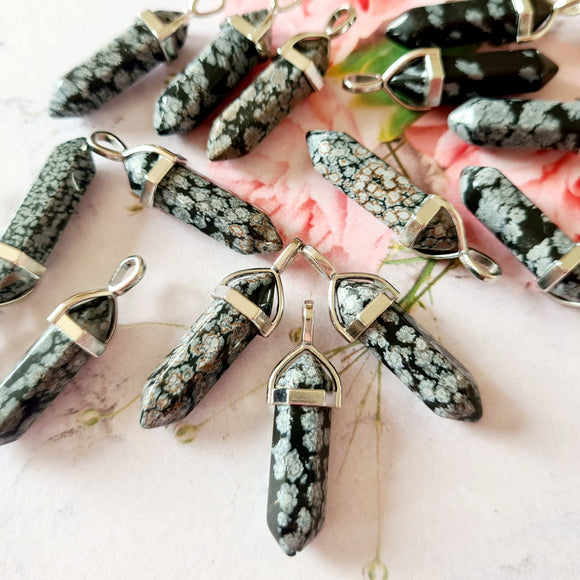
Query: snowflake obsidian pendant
[304, 387]
[81, 328]
[535, 241]
[246, 303]
[155, 37]
[159, 178]
[242, 43]
[427, 224]
[475, 21]
[518, 123]
[424, 78]
[44, 213]
[287, 81]
[363, 307]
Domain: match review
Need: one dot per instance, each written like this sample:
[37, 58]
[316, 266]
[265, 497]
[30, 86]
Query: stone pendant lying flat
[193, 94]
[533, 239]
[303, 387]
[81, 328]
[285, 83]
[243, 305]
[424, 78]
[425, 223]
[363, 307]
[42, 216]
[474, 21]
[154, 38]
[159, 178]
[518, 123]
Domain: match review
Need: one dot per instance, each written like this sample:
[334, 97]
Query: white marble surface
[87, 493]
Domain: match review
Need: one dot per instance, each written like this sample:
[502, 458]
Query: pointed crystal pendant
[213, 210]
[518, 123]
[80, 328]
[377, 187]
[119, 65]
[533, 239]
[429, 225]
[414, 356]
[299, 463]
[265, 103]
[159, 178]
[48, 367]
[204, 353]
[487, 74]
[193, 94]
[44, 213]
[469, 22]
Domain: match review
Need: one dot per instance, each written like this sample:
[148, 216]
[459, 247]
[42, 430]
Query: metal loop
[360, 84]
[478, 264]
[129, 273]
[288, 255]
[318, 262]
[99, 140]
[195, 12]
[307, 321]
[278, 8]
[340, 21]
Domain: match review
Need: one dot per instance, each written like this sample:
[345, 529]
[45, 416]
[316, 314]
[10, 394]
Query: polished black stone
[193, 94]
[518, 123]
[533, 239]
[423, 365]
[299, 463]
[45, 212]
[216, 212]
[461, 23]
[486, 74]
[112, 70]
[48, 367]
[204, 354]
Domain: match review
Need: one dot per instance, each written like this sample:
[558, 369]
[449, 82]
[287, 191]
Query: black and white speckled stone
[299, 463]
[266, 102]
[485, 73]
[112, 70]
[214, 211]
[204, 354]
[412, 354]
[518, 224]
[518, 123]
[464, 22]
[45, 212]
[193, 94]
[374, 185]
[48, 367]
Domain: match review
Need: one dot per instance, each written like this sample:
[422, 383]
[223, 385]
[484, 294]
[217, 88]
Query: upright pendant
[424, 78]
[518, 123]
[534, 240]
[285, 83]
[243, 307]
[363, 307]
[425, 223]
[154, 38]
[472, 22]
[303, 387]
[81, 327]
[159, 178]
[44, 213]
